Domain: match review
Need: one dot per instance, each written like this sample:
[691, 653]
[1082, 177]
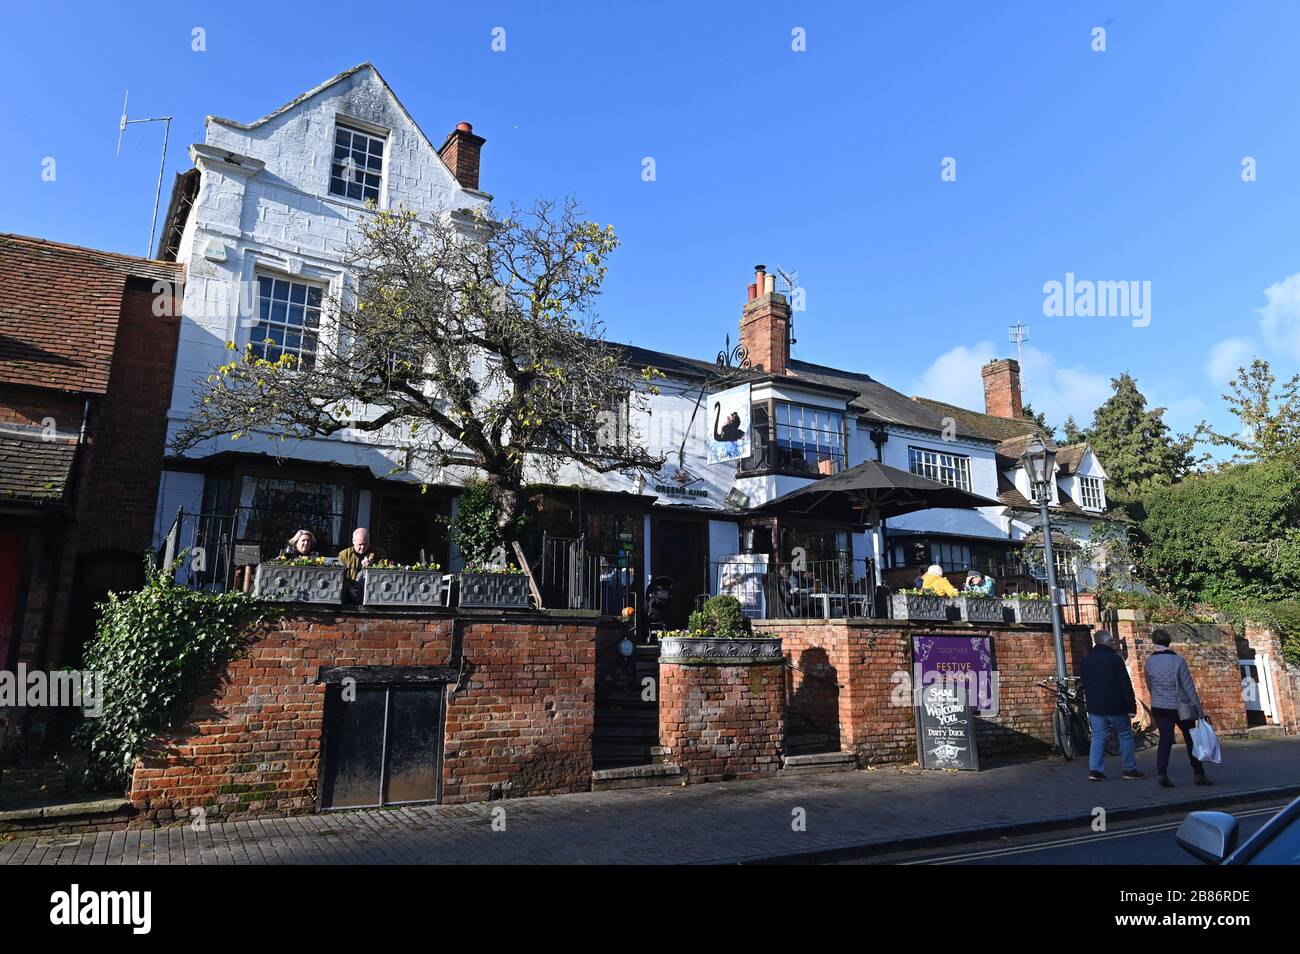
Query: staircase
[627, 727]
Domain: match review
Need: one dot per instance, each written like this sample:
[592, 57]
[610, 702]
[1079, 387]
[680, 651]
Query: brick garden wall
[1211, 653]
[520, 724]
[719, 722]
[852, 686]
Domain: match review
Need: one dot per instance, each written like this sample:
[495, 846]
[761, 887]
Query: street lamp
[1039, 462]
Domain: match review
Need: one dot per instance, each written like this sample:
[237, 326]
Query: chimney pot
[461, 154]
[765, 324]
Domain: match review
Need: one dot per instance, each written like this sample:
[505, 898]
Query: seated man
[978, 583]
[357, 557]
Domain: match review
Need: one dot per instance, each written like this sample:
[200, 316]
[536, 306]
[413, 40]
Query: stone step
[1266, 732]
[93, 815]
[820, 762]
[635, 776]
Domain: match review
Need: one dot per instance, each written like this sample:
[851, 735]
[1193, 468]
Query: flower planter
[982, 609]
[714, 650]
[394, 587]
[1032, 612]
[299, 584]
[920, 606]
[494, 590]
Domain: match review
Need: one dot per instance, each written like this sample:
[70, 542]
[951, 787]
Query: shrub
[156, 650]
[721, 616]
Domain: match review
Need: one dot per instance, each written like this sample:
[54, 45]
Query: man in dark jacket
[1111, 704]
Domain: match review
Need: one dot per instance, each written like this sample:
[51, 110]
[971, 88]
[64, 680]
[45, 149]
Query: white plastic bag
[1205, 744]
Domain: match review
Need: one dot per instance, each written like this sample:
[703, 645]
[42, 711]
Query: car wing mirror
[1209, 836]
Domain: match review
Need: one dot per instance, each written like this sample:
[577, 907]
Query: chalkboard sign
[945, 729]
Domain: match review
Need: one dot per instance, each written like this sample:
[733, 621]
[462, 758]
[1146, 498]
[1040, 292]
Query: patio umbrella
[869, 492]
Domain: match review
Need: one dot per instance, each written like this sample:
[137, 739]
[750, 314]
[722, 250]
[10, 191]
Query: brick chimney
[765, 324]
[1002, 388]
[460, 152]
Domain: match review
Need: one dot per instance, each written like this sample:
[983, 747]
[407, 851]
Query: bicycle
[1069, 724]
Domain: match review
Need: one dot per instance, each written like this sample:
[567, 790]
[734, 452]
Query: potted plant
[916, 604]
[300, 580]
[719, 633]
[493, 587]
[1030, 609]
[976, 606]
[393, 584]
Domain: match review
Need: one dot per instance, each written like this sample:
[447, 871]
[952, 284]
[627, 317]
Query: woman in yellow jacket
[935, 582]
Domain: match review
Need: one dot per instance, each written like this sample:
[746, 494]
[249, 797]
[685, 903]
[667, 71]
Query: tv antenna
[1019, 334]
[162, 164]
[791, 282]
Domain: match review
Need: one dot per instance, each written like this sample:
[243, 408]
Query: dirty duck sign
[729, 425]
[945, 719]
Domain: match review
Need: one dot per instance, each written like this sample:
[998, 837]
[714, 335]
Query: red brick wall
[1211, 654]
[121, 461]
[722, 721]
[872, 707]
[520, 724]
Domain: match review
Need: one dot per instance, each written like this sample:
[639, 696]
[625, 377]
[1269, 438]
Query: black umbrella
[865, 494]
[869, 491]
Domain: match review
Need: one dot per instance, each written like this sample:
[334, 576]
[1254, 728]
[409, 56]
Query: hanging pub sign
[945, 697]
[729, 425]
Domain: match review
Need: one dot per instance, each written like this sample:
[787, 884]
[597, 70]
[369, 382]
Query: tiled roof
[59, 308]
[32, 469]
[986, 425]
[1070, 456]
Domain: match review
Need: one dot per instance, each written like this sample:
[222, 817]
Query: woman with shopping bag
[1173, 702]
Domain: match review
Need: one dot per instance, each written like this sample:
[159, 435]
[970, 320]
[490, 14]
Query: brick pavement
[719, 823]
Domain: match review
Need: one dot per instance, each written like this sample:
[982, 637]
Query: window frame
[372, 134]
[258, 343]
[765, 449]
[1087, 483]
[938, 466]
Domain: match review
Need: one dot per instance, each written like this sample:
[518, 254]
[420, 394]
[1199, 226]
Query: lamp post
[1039, 462]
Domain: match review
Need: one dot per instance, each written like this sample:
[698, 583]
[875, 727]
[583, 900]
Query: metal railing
[811, 589]
[572, 578]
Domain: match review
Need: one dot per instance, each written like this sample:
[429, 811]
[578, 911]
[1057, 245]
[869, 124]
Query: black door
[97, 575]
[383, 747]
[677, 550]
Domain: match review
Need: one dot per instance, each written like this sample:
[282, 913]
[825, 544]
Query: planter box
[982, 609]
[392, 587]
[923, 606]
[300, 584]
[494, 590]
[1032, 612]
[711, 650]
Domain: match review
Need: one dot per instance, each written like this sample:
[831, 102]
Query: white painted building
[263, 223]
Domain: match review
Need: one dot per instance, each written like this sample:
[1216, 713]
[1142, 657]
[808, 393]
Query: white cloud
[955, 377]
[1279, 320]
[1055, 391]
[1226, 357]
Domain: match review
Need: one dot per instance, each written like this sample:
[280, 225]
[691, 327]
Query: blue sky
[1122, 165]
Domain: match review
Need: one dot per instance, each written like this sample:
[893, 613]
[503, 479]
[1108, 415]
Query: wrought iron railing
[809, 589]
[572, 578]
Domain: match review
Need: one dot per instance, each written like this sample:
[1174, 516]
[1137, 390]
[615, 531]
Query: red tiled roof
[59, 308]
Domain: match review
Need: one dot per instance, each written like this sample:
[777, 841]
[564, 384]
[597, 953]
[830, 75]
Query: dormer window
[1090, 495]
[357, 170]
